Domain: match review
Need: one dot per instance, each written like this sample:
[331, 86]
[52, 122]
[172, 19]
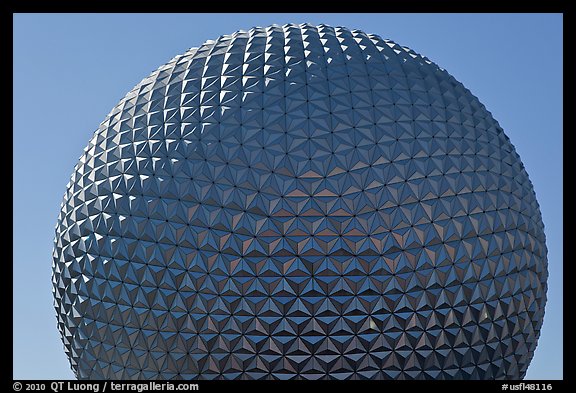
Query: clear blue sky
[70, 70]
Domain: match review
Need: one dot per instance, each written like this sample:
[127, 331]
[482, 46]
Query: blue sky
[70, 70]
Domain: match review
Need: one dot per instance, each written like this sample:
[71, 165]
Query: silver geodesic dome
[299, 202]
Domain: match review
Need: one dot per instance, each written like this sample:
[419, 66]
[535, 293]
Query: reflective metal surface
[299, 202]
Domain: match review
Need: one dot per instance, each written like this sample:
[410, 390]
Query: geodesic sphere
[299, 202]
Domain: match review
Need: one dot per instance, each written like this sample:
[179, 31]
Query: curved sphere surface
[299, 202]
